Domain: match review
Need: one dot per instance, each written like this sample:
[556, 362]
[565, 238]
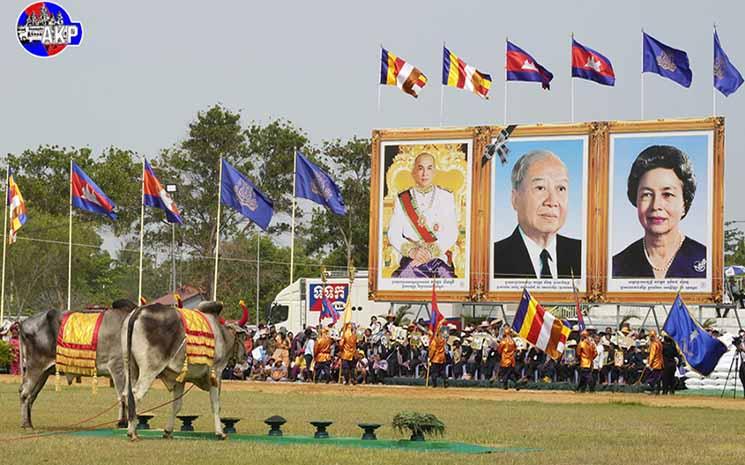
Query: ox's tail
[131, 407]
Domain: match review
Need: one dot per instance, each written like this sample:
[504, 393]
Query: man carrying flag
[153, 195]
[438, 339]
[701, 350]
[591, 65]
[17, 207]
[506, 350]
[348, 346]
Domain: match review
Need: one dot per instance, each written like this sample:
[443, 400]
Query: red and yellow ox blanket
[200, 340]
[77, 340]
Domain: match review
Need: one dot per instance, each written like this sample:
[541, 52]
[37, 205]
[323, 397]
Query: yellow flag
[348, 309]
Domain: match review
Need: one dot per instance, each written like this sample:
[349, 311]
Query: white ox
[155, 342]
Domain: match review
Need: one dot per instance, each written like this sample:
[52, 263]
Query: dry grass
[569, 428]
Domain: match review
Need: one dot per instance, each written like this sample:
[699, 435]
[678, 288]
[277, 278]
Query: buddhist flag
[456, 73]
[16, 208]
[394, 71]
[539, 327]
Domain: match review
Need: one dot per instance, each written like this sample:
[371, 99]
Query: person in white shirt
[424, 225]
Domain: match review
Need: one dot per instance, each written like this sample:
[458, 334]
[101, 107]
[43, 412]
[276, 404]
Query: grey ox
[38, 337]
[155, 344]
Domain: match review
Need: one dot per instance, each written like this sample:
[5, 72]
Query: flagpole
[713, 88]
[572, 86]
[217, 236]
[5, 242]
[506, 39]
[379, 84]
[258, 265]
[142, 232]
[292, 233]
[69, 247]
[642, 78]
[442, 90]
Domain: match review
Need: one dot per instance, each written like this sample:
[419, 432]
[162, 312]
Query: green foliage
[272, 147]
[734, 244]
[37, 266]
[5, 355]
[418, 424]
[344, 238]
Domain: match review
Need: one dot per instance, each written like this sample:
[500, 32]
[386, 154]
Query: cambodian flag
[153, 195]
[591, 65]
[436, 317]
[86, 195]
[327, 312]
[523, 67]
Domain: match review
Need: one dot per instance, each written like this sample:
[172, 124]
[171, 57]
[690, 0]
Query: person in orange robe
[348, 347]
[322, 356]
[586, 352]
[655, 362]
[437, 357]
[507, 349]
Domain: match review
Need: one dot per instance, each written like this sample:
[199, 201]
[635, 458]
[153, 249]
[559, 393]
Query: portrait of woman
[661, 185]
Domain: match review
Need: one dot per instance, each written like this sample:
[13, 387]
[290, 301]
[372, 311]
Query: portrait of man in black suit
[535, 250]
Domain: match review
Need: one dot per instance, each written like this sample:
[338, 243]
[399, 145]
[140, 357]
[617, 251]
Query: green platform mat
[439, 446]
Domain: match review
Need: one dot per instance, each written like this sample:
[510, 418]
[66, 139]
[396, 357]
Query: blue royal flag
[666, 61]
[701, 350]
[727, 79]
[312, 183]
[241, 194]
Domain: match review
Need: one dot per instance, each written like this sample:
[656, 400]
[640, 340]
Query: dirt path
[556, 397]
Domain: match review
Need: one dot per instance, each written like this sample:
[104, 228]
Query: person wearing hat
[437, 357]
[586, 352]
[348, 351]
[322, 356]
[655, 362]
[282, 347]
[506, 350]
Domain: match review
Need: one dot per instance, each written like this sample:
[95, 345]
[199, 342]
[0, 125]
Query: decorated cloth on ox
[200, 339]
[77, 340]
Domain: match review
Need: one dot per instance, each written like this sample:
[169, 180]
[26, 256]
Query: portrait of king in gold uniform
[426, 227]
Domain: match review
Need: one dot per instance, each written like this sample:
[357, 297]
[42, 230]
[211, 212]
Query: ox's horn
[244, 317]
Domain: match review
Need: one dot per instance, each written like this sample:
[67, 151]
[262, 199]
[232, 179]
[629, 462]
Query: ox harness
[200, 342]
[77, 340]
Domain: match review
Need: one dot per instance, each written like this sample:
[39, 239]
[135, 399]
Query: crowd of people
[488, 351]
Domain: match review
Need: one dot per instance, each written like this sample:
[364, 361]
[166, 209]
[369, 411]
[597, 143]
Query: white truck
[299, 304]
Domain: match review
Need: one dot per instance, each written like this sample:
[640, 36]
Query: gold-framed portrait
[421, 212]
[664, 211]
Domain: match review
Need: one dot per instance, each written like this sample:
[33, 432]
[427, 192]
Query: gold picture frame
[451, 173]
[484, 240]
[715, 176]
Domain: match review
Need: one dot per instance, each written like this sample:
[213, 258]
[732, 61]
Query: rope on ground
[73, 428]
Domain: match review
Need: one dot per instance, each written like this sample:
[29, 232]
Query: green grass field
[568, 428]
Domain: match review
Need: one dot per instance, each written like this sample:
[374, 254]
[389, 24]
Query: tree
[734, 244]
[194, 165]
[345, 238]
[272, 147]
